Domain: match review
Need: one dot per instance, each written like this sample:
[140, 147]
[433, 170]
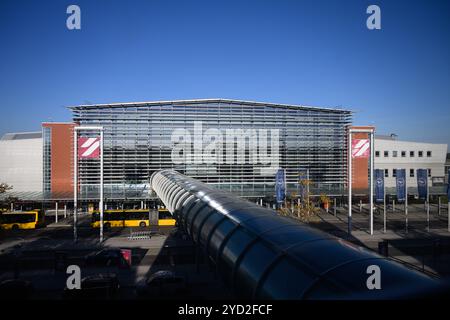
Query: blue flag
[280, 188]
[401, 184]
[379, 185]
[422, 183]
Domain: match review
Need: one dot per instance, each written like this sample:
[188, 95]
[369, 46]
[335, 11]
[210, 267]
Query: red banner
[360, 148]
[88, 148]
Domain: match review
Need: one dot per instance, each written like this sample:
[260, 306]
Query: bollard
[436, 251]
[393, 205]
[439, 206]
[383, 248]
[334, 207]
[360, 205]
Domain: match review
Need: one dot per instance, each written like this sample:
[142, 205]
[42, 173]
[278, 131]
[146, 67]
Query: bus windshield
[18, 218]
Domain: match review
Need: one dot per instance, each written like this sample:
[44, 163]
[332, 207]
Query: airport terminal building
[234, 145]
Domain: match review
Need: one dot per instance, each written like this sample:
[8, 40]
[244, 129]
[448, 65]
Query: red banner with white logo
[360, 148]
[88, 148]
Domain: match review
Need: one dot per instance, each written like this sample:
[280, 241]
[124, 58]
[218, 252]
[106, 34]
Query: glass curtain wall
[139, 139]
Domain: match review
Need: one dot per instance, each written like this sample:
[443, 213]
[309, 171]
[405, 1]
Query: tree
[303, 210]
[4, 187]
[8, 200]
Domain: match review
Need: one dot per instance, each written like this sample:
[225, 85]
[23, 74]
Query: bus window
[136, 215]
[18, 218]
[164, 214]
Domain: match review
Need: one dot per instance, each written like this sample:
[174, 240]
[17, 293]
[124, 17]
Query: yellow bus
[131, 218]
[21, 220]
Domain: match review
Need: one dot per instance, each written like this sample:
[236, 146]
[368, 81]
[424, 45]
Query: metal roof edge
[211, 100]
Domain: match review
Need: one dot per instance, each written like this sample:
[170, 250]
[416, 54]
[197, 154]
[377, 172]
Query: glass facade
[47, 158]
[139, 138]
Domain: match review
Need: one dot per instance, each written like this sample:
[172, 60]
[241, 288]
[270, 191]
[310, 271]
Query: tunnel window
[208, 226]
[264, 223]
[285, 281]
[222, 230]
[337, 252]
[190, 216]
[251, 268]
[392, 276]
[201, 216]
[294, 234]
[235, 245]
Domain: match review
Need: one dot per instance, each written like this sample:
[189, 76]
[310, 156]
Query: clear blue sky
[303, 52]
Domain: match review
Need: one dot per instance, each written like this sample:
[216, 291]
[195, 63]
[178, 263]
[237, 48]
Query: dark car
[16, 289]
[98, 286]
[162, 284]
[106, 258]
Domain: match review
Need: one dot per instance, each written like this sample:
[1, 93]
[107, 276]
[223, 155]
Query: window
[377, 154]
[411, 154]
[394, 154]
[386, 173]
[429, 172]
[394, 173]
[386, 154]
[420, 154]
[411, 173]
[403, 154]
[428, 154]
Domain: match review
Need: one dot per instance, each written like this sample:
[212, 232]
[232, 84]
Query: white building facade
[392, 154]
[21, 161]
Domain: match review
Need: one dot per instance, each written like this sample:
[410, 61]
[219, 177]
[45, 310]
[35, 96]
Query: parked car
[16, 289]
[98, 286]
[163, 284]
[106, 258]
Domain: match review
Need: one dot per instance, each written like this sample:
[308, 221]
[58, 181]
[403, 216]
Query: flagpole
[406, 203]
[87, 128]
[285, 190]
[75, 183]
[350, 182]
[428, 204]
[384, 204]
[101, 186]
[307, 189]
[372, 151]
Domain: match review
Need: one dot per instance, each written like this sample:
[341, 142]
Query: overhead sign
[360, 148]
[88, 148]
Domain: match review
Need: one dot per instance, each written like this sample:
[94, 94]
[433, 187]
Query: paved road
[35, 252]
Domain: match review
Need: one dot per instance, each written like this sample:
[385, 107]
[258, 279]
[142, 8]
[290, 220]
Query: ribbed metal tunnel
[261, 255]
